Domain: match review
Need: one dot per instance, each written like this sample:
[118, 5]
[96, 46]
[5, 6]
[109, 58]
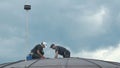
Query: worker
[59, 50]
[37, 52]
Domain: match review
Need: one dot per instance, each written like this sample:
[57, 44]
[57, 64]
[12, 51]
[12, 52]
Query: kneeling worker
[61, 51]
[37, 52]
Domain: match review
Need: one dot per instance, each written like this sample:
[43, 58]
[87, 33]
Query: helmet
[44, 43]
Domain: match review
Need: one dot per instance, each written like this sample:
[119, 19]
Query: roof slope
[62, 63]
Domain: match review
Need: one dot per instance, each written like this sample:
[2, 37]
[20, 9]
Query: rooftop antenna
[27, 7]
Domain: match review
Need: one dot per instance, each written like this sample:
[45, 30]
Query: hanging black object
[27, 7]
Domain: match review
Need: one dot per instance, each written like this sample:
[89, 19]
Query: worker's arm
[56, 54]
[40, 54]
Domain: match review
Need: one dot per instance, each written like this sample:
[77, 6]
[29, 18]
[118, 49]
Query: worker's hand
[55, 57]
[42, 57]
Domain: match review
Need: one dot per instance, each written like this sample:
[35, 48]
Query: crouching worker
[37, 52]
[61, 51]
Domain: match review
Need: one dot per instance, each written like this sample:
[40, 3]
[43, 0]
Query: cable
[33, 63]
[20, 67]
[11, 63]
[91, 62]
[113, 63]
[66, 64]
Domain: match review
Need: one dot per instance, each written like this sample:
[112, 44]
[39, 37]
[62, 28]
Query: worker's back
[61, 50]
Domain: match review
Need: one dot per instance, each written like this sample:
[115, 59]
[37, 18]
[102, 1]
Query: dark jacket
[37, 47]
[61, 50]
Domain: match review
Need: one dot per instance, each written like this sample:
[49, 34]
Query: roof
[62, 63]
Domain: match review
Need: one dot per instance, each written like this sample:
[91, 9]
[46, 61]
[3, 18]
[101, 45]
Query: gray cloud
[73, 21]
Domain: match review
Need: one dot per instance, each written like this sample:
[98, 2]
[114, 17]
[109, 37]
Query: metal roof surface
[61, 63]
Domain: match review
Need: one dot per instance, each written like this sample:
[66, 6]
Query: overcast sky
[88, 28]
